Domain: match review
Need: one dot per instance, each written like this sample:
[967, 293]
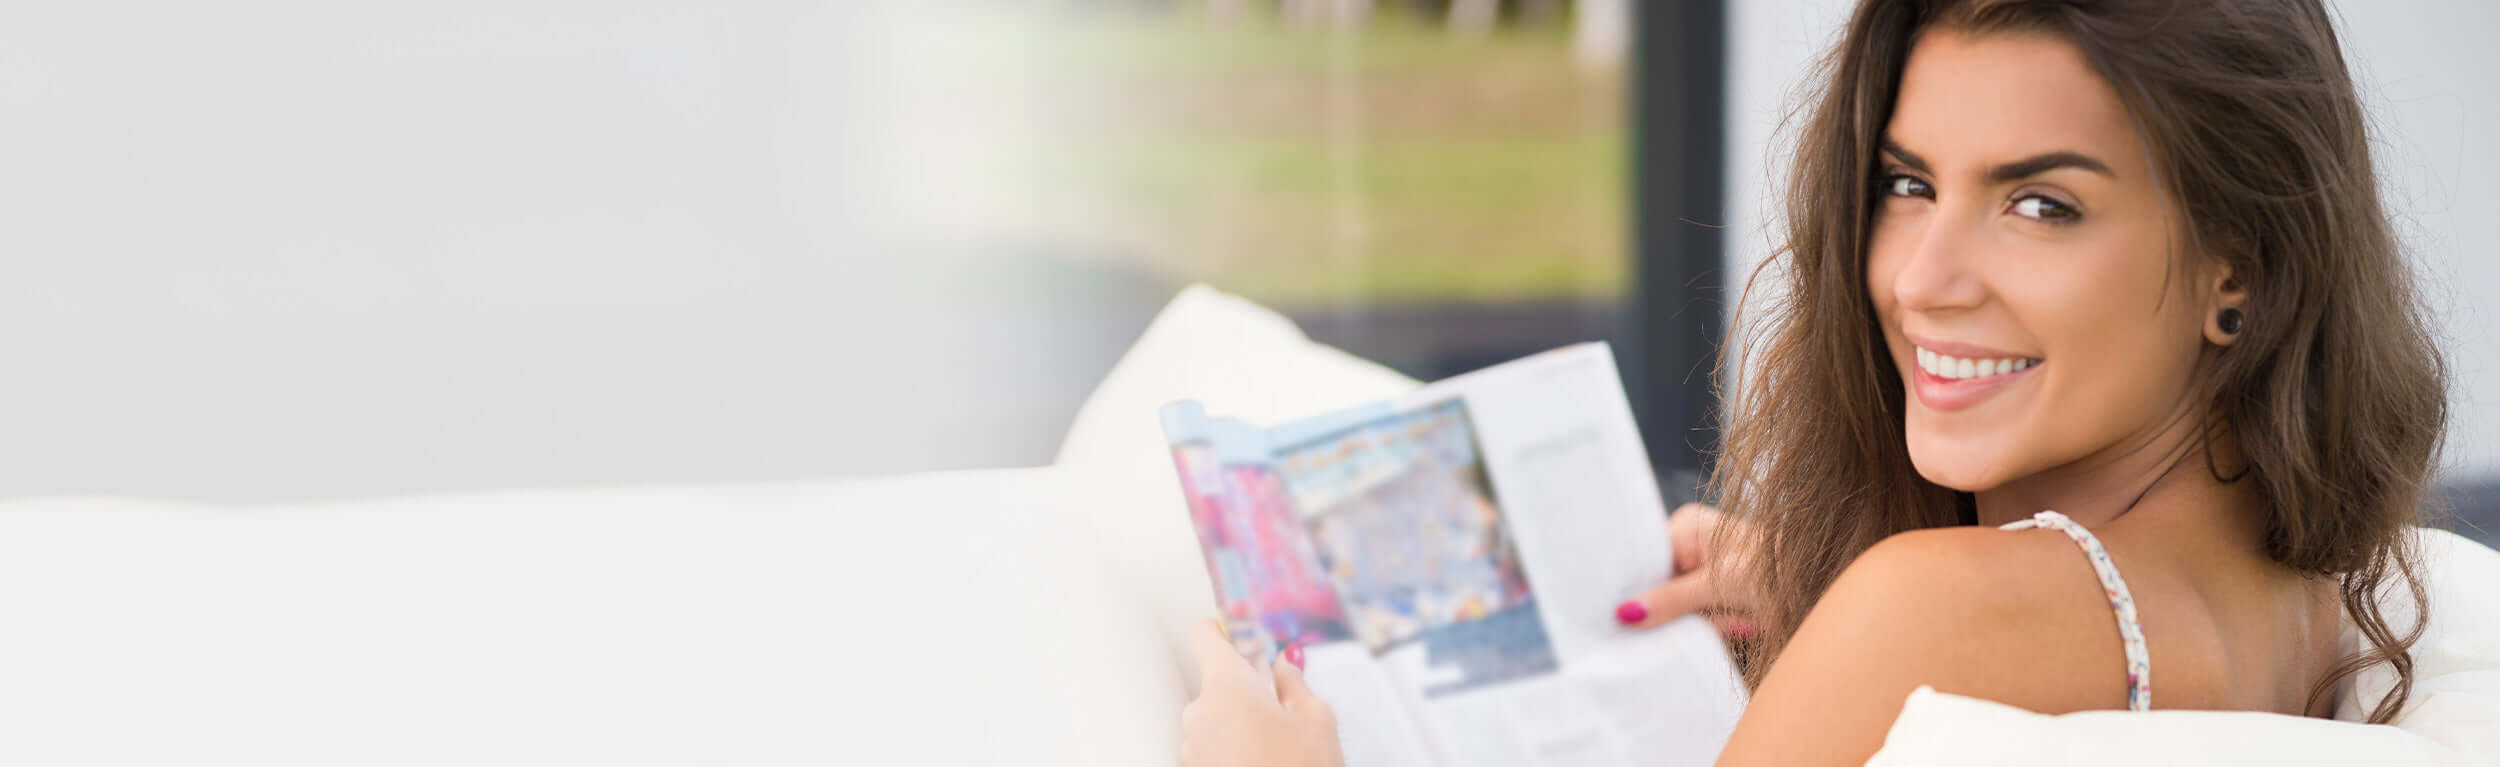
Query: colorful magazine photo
[1378, 526]
[1268, 580]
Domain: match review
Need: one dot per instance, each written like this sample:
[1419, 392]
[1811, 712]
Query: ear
[2227, 292]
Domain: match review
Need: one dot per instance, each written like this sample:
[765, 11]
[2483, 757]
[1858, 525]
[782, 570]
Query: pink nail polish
[1293, 654]
[1741, 630]
[1630, 613]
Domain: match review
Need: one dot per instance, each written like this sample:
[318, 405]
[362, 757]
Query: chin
[1961, 463]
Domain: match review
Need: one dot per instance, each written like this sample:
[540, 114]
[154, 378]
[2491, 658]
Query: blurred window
[1437, 185]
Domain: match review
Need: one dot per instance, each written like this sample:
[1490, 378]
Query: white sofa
[935, 619]
[994, 617]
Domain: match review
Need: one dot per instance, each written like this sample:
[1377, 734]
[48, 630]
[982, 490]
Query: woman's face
[2025, 265]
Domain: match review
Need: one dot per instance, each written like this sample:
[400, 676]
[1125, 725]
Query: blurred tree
[1474, 17]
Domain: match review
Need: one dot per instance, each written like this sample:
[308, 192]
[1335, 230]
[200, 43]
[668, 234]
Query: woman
[2122, 260]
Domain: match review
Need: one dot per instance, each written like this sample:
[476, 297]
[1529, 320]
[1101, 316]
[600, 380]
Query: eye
[1902, 185]
[2046, 209]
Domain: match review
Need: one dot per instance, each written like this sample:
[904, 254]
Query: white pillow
[1944, 729]
[1242, 360]
[941, 618]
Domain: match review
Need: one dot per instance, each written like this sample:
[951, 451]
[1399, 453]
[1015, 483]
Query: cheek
[2121, 352]
[2129, 350]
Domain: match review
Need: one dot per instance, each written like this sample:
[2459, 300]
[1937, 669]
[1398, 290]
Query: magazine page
[1480, 534]
[1456, 556]
[1405, 517]
[1567, 457]
[1271, 588]
[1561, 448]
[1380, 723]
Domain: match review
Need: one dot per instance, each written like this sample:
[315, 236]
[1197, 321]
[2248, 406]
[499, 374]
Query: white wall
[2424, 67]
[279, 249]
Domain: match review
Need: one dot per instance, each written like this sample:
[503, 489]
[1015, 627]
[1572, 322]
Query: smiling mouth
[1953, 368]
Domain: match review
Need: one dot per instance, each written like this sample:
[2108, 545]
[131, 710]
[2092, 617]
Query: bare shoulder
[2016, 618]
[2033, 605]
[1989, 572]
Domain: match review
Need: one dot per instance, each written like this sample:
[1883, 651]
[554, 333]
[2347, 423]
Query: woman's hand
[1244, 716]
[1693, 587]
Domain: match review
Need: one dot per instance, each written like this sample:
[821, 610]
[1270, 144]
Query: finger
[1692, 513]
[1291, 689]
[1688, 533]
[1218, 662]
[1679, 596]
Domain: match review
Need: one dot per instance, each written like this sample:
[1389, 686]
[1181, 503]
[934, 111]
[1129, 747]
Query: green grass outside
[1491, 168]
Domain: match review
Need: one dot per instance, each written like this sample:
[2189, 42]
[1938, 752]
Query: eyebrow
[2018, 169]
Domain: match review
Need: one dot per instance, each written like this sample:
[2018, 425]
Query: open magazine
[1450, 561]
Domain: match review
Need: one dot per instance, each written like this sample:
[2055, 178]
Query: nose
[1939, 273]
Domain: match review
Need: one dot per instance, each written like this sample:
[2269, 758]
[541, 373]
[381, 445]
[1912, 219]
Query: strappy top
[2139, 669]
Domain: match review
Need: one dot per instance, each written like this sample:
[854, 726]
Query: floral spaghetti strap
[2139, 666]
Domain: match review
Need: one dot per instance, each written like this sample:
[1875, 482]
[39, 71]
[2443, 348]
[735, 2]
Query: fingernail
[1293, 653]
[1631, 612]
[1741, 629]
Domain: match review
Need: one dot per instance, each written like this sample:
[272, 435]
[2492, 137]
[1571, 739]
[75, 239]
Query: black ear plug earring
[2231, 320]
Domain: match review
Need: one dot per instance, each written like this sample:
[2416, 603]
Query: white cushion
[932, 619]
[1001, 617]
[1242, 359]
[1944, 729]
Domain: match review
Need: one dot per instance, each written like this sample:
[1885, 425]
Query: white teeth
[1950, 367]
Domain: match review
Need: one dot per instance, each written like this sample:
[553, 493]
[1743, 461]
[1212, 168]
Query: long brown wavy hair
[2334, 394]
